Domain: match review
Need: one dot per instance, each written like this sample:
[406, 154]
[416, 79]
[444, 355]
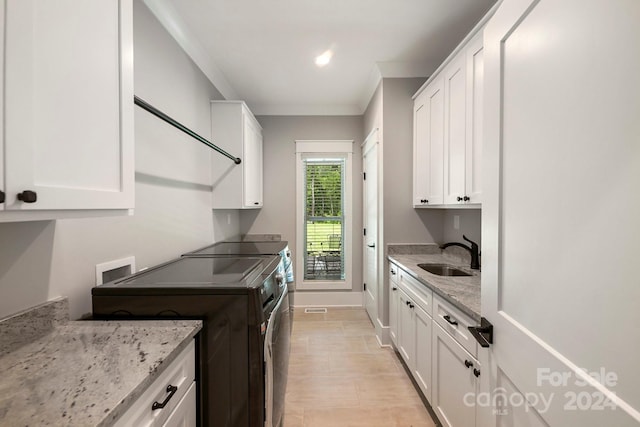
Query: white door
[370, 223]
[560, 226]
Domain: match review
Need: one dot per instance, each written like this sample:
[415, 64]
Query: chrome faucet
[473, 250]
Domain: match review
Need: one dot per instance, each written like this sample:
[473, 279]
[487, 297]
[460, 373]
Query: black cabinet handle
[393, 272]
[466, 198]
[373, 245]
[411, 305]
[171, 389]
[394, 289]
[408, 303]
[476, 372]
[28, 196]
[424, 201]
[459, 198]
[256, 203]
[468, 364]
[449, 320]
[1, 196]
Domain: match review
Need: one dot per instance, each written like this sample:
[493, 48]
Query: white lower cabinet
[439, 351]
[170, 400]
[414, 329]
[422, 366]
[454, 381]
[185, 413]
[407, 333]
[394, 301]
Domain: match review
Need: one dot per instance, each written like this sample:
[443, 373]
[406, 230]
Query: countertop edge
[456, 303]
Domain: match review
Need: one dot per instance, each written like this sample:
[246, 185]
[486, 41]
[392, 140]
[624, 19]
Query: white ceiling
[262, 51]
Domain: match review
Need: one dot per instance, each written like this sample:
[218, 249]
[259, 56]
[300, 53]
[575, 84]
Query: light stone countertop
[463, 292]
[82, 373]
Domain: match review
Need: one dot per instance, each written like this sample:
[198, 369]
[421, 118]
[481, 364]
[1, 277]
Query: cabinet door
[68, 104]
[394, 304]
[435, 137]
[252, 167]
[407, 329]
[422, 370]
[429, 145]
[454, 383]
[455, 130]
[420, 150]
[475, 87]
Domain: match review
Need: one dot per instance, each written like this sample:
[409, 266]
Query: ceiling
[262, 51]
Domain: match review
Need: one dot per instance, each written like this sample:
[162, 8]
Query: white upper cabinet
[475, 90]
[428, 147]
[236, 130]
[448, 131]
[68, 108]
[455, 129]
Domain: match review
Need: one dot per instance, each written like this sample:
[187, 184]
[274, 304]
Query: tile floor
[340, 376]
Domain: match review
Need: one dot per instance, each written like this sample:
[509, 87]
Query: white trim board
[328, 299]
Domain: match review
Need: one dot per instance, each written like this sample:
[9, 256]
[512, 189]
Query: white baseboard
[385, 336]
[328, 299]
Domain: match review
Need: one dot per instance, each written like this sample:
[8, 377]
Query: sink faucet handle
[473, 244]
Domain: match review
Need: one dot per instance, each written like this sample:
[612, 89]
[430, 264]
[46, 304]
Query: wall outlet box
[456, 222]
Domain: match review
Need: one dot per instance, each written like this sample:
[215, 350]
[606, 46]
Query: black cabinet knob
[28, 196]
[394, 289]
[411, 305]
[476, 372]
[468, 364]
[1, 196]
[424, 201]
[408, 303]
[466, 198]
[459, 198]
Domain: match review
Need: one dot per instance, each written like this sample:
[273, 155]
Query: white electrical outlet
[228, 219]
[456, 222]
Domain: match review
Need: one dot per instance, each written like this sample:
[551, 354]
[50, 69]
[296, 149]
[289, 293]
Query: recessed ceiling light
[324, 59]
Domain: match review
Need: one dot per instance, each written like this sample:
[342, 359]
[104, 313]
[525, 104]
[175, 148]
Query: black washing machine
[246, 326]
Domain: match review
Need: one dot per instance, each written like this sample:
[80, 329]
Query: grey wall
[469, 222]
[391, 111]
[403, 223]
[279, 212]
[43, 260]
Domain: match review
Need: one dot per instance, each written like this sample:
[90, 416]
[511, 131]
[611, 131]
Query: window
[324, 214]
[324, 218]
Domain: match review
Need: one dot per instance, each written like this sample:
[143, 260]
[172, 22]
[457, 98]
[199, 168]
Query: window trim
[340, 149]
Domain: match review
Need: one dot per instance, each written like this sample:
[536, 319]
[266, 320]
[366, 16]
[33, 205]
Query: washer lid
[221, 273]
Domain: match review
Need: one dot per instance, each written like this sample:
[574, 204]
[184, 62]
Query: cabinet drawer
[180, 374]
[421, 294]
[185, 413]
[393, 273]
[456, 324]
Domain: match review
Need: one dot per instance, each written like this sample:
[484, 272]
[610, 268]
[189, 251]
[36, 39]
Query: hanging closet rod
[146, 106]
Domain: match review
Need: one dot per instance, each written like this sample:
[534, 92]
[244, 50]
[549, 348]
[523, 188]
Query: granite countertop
[463, 292]
[81, 373]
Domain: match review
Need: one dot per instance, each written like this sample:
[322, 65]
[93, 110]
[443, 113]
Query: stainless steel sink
[443, 270]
